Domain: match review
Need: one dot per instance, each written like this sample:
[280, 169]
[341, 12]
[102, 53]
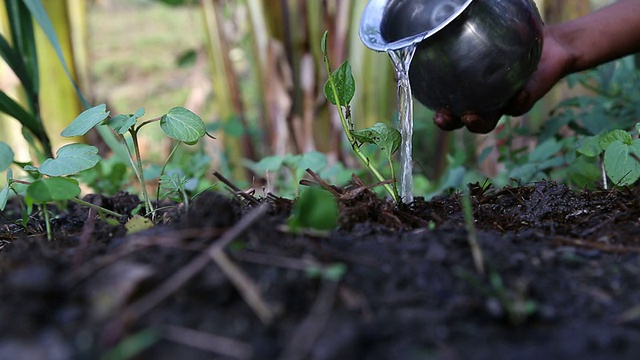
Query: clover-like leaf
[345, 85]
[53, 189]
[6, 156]
[388, 139]
[71, 159]
[122, 123]
[86, 121]
[621, 162]
[183, 125]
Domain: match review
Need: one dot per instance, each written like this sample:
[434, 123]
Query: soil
[226, 280]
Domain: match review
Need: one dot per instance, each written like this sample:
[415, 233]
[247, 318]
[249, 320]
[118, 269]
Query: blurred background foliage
[252, 69]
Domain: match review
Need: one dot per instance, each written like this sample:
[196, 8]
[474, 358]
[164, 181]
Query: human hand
[554, 64]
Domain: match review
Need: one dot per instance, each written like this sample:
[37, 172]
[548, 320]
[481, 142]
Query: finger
[445, 120]
[480, 124]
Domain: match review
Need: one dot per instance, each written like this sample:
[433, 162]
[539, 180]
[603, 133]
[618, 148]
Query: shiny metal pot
[471, 55]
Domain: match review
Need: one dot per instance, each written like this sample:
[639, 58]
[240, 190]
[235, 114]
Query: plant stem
[476, 251]
[136, 149]
[354, 144]
[47, 220]
[164, 166]
[97, 207]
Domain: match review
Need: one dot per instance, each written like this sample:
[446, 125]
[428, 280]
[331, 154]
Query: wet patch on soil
[228, 281]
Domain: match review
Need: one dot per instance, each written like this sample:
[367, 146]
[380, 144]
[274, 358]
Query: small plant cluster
[54, 180]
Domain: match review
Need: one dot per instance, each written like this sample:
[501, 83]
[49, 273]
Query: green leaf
[13, 109]
[545, 150]
[313, 160]
[4, 192]
[86, 121]
[183, 125]
[590, 146]
[388, 139]
[71, 159]
[316, 209]
[122, 123]
[345, 85]
[612, 136]
[53, 189]
[40, 15]
[268, 164]
[6, 156]
[621, 167]
[4, 196]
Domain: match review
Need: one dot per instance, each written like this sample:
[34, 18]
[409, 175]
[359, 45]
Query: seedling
[51, 182]
[339, 90]
[179, 124]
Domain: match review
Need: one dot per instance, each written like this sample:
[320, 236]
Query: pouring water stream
[401, 60]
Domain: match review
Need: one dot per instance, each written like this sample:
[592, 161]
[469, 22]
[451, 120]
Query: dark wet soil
[228, 281]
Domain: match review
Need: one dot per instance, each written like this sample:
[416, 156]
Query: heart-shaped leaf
[621, 162]
[86, 121]
[183, 125]
[71, 159]
[53, 189]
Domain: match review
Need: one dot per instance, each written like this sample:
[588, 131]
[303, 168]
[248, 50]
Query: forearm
[604, 35]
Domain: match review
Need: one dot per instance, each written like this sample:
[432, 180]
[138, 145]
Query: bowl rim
[371, 20]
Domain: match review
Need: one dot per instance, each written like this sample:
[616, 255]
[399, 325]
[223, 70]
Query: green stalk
[138, 163]
[476, 251]
[47, 220]
[97, 207]
[354, 144]
[164, 166]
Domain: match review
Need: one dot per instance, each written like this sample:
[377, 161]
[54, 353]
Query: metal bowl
[471, 55]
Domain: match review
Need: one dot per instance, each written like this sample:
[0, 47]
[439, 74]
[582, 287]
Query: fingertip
[445, 120]
[480, 124]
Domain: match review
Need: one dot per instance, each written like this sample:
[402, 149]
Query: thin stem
[97, 207]
[47, 220]
[164, 166]
[354, 144]
[145, 194]
[472, 237]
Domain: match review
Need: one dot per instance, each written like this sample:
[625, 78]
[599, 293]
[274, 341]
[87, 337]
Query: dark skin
[604, 35]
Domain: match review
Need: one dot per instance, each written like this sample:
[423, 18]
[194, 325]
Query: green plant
[339, 90]
[178, 123]
[50, 181]
[316, 208]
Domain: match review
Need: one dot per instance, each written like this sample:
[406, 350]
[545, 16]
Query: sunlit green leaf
[71, 159]
[388, 139]
[183, 125]
[86, 121]
[345, 85]
[6, 156]
[53, 189]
